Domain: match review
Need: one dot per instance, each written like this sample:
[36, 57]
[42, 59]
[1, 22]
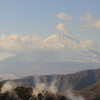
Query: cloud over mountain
[61, 27]
[61, 44]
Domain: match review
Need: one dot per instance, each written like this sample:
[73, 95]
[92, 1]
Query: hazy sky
[44, 19]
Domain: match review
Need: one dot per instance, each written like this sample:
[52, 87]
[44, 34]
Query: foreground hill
[26, 93]
[76, 81]
[91, 93]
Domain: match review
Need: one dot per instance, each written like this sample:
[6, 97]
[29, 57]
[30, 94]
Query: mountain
[91, 93]
[20, 67]
[76, 81]
[84, 84]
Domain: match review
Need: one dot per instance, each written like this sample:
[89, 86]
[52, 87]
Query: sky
[61, 30]
[39, 17]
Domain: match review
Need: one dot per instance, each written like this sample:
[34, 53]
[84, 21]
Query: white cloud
[16, 43]
[95, 24]
[90, 22]
[64, 16]
[55, 41]
[88, 44]
[62, 45]
[87, 18]
[61, 27]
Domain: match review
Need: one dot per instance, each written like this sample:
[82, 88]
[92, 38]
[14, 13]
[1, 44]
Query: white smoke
[40, 86]
[72, 96]
[52, 88]
[8, 87]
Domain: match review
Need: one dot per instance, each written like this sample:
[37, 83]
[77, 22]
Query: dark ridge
[90, 93]
[25, 93]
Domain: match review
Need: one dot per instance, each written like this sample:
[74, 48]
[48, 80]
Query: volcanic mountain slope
[26, 93]
[19, 66]
[91, 93]
[76, 81]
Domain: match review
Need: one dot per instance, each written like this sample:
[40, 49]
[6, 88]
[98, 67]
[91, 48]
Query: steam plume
[73, 97]
[8, 87]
